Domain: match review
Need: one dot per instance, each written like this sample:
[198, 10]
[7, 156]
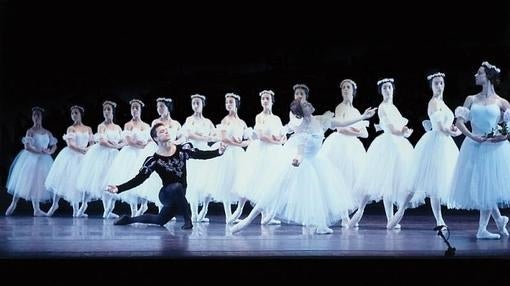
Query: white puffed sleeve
[98, 136]
[506, 115]
[427, 125]
[325, 119]
[462, 112]
[27, 140]
[126, 133]
[53, 141]
[69, 136]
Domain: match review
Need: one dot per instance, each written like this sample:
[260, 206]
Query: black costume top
[171, 169]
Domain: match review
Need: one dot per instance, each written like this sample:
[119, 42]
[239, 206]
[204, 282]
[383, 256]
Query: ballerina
[259, 156]
[303, 188]
[435, 156]
[343, 147]
[388, 158]
[61, 180]
[479, 180]
[32, 165]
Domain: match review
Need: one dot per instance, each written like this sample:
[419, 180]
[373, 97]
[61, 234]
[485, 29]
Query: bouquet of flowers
[501, 129]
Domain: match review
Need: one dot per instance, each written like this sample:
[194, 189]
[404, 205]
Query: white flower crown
[349, 81]
[437, 74]
[385, 80]
[137, 101]
[164, 99]
[110, 103]
[270, 92]
[487, 65]
[230, 94]
[303, 86]
[37, 108]
[198, 96]
[77, 107]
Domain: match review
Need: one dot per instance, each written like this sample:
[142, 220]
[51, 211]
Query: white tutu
[62, 177]
[312, 194]
[480, 179]
[259, 160]
[435, 156]
[197, 170]
[127, 164]
[197, 175]
[348, 155]
[386, 171]
[92, 178]
[29, 170]
[220, 180]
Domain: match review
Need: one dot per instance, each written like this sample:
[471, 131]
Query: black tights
[174, 201]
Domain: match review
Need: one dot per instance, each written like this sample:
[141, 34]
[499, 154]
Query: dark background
[55, 56]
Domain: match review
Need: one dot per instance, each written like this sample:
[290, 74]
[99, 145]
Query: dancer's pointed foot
[501, 224]
[484, 234]
[10, 210]
[238, 227]
[39, 213]
[323, 230]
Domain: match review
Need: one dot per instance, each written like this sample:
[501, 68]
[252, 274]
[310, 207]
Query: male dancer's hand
[297, 161]
[112, 189]
[222, 148]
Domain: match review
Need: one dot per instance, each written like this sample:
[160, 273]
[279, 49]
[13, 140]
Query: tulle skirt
[348, 155]
[27, 174]
[480, 178]
[386, 173]
[311, 194]
[435, 156]
[126, 166]
[62, 177]
[220, 181]
[92, 178]
[259, 159]
[197, 175]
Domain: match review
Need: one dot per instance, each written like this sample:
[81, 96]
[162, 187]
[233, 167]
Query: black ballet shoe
[123, 220]
[188, 225]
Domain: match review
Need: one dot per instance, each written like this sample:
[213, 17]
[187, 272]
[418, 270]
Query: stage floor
[58, 237]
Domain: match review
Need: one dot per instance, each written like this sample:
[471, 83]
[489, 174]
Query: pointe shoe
[123, 220]
[274, 222]
[266, 220]
[323, 230]
[234, 217]
[393, 226]
[204, 220]
[354, 221]
[174, 219]
[10, 210]
[484, 234]
[238, 227]
[143, 208]
[52, 210]
[502, 225]
[111, 215]
[39, 213]
[201, 215]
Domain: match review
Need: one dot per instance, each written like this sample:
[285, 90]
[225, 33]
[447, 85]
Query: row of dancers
[299, 180]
